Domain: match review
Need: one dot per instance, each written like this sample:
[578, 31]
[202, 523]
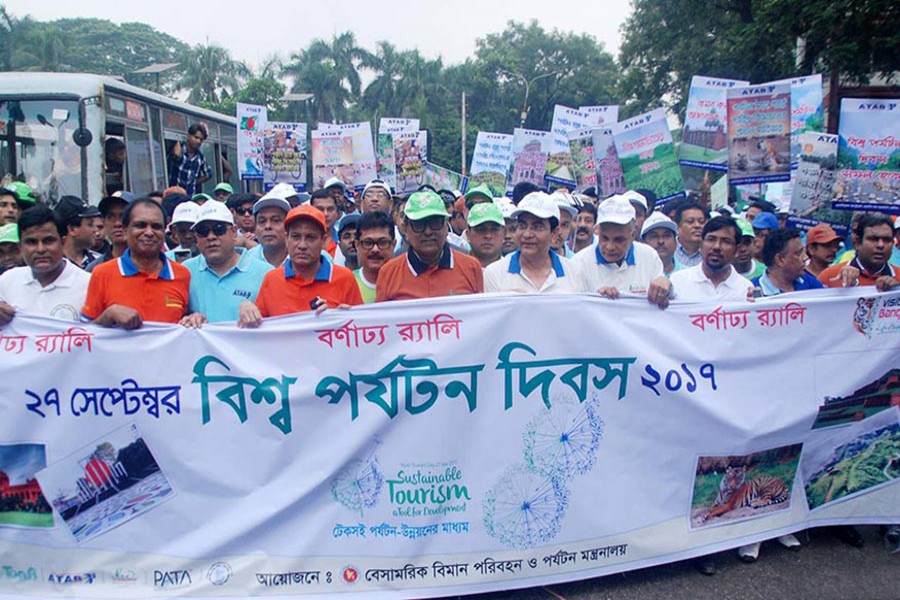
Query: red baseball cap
[305, 211]
[821, 234]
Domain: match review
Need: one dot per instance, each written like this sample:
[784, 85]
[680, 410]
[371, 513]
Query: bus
[89, 135]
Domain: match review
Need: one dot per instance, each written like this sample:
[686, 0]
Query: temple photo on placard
[22, 504]
[105, 484]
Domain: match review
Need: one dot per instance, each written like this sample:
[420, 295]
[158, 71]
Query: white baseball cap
[186, 212]
[539, 204]
[633, 196]
[506, 206]
[335, 181]
[616, 209]
[657, 220]
[566, 201]
[271, 200]
[214, 211]
[377, 184]
[283, 191]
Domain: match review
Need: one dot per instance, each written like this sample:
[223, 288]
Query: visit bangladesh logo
[876, 316]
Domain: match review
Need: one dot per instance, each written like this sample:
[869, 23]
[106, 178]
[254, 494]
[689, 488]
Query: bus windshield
[36, 146]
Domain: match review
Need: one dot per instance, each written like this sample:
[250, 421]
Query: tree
[209, 74]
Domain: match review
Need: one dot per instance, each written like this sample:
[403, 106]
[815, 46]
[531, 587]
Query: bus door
[128, 120]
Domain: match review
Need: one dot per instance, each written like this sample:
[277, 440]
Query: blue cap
[765, 220]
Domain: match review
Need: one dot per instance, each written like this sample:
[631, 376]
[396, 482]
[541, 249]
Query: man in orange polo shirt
[305, 282]
[142, 284]
[430, 268]
[873, 239]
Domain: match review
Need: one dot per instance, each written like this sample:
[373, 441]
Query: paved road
[825, 569]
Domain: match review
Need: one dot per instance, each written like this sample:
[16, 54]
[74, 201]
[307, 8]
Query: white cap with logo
[186, 212]
[615, 209]
[214, 211]
[539, 204]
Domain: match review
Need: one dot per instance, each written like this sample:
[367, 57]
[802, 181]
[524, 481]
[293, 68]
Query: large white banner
[436, 448]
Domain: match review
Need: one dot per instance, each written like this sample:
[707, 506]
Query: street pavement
[824, 569]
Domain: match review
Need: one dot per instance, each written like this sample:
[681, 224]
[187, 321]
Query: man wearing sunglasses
[223, 277]
[430, 268]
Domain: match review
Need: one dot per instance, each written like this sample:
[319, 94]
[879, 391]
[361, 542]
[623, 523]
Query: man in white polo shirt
[714, 278]
[616, 264]
[49, 285]
[534, 268]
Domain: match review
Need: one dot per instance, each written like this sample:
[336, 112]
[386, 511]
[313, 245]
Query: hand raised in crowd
[848, 276]
[193, 321]
[245, 241]
[248, 315]
[886, 283]
[609, 292]
[658, 292]
[7, 313]
[118, 315]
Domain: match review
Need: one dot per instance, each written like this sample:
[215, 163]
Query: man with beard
[142, 284]
[375, 242]
[714, 278]
[822, 245]
[48, 285]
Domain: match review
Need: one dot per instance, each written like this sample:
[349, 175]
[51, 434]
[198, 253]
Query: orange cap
[305, 211]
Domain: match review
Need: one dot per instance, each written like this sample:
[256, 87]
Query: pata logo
[164, 580]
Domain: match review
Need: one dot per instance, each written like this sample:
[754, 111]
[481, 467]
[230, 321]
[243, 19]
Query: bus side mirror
[82, 137]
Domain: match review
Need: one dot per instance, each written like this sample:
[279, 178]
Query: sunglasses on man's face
[244, 212]
[218, 229]
[435, 223]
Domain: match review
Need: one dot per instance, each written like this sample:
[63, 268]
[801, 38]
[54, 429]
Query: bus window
[36, 146]
[115, 157]
[159, 160]
[140, 167]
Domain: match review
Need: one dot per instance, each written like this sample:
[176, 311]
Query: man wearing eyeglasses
[534, 268]
[375, 241]
[223, 277]
[430, 267]
[376, 196]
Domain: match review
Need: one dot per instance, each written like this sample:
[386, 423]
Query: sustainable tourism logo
[428, 490]
[876, 316]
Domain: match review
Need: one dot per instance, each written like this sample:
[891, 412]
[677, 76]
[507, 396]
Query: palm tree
[382, 95]
[211, 74]
[328, 71]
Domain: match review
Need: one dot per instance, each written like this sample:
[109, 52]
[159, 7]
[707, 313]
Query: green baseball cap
[223, 187]
[21, 191]
[201, 198]
[422, 205]
[485, 212]
[745, 227]
[9, 234]
[479, 190]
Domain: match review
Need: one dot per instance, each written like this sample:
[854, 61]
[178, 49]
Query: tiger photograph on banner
[728, 489]
[105, 484]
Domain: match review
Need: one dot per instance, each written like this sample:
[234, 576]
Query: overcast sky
[253, 31]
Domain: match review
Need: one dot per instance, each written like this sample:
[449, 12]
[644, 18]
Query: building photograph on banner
[610, 179]
[385, 162]
[490, 161]
[251, 140]
[284, 155]
[868, 169]
[645, 148]
[332, 156]
[560, 169]
[704, 139]
[807, 110]
[528, 160]
[759, 133]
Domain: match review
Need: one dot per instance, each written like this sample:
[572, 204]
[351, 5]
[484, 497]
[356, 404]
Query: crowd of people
[183, 256]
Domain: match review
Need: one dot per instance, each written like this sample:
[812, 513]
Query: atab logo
[72, 578]
[168, 580]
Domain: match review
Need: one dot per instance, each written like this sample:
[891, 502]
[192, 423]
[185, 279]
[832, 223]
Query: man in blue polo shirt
[223, 276]
[785, 260]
